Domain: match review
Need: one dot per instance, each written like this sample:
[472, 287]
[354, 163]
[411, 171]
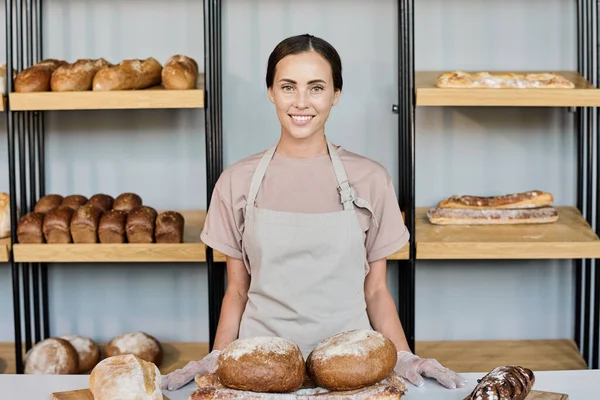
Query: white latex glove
[411, 367]
[182, 376]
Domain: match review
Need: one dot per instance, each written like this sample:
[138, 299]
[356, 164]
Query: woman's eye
[286, 88]
[317, 88]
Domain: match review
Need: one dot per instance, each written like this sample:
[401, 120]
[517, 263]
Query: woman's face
[303, 94]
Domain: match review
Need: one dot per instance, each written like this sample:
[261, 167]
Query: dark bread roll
[140, 344]
[351, 360]
[111, 228]
[53, 356]
[84, 224]
[56, 225]
[102, 201]
[127, 202]
[509, 382]
[30, 228]
[169, 227]
[262, 364]
[74, 201]
[140, 225]
[47, 203]
[87, 350]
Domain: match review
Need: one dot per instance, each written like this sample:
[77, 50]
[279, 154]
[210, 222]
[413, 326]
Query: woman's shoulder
[362, 169]
[237, 176]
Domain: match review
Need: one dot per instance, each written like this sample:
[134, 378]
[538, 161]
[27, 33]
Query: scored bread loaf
[47, 203]
[102, 201]
[262, 364]
[140, 225]
[77, 76]
[129, 75]
[351, 360]
[499, 80]
[180, 73]
[53, 356]
[125, 377]
[529, 199]
[111, 228]
[169, 227]
[56, 225]
[127, 202]
[74, 201]
[30, 228]
[458, 216]
[140, 344]
[509, 382]
[84, 224]
[36, 78]
[5, 217]
[87, 351]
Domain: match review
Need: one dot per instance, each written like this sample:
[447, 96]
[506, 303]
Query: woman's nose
[301, 100]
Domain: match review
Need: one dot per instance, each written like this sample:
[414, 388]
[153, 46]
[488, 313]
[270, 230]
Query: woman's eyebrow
[309, 82]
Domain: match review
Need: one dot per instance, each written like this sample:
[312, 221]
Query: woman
[306, 227]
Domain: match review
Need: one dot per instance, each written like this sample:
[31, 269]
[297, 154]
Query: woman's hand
[411, 367]
[180, 377]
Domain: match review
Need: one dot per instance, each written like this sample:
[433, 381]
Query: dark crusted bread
[102, 201]
[127, 202]
[56, 225]
[140, 225]
[30, 228]
[84, 224]
[74, 201]
[47, 203]
[509, 382]
[111, 228]
[169, 227]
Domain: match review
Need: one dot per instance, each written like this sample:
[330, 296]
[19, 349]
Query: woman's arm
[234, 303]
[380, 306]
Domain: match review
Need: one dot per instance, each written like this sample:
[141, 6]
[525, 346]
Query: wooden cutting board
[538, 395]
[81, 394]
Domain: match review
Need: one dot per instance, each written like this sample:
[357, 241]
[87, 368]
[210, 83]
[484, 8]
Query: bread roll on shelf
[56, 225]
[87, 350]
[77, 76]
[102, 201]
[52, 356]
[127, 202]
[140, 344]
[169, 227]
[30, 228]
[37, 77]
[48, 202]
[140, 225]
[84, 224]
[74, 201]
[132, 74]
[111, 228]
[180, 73]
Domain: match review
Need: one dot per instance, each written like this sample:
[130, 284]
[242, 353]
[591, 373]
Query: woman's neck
[314, 146]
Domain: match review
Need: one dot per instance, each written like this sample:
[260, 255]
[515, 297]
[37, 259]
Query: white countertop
[579, 385]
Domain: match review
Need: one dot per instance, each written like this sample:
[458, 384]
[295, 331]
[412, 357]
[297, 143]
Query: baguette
[544, 80]
[128, 75]
[457, 216]
[530, 199]
[56, 225]
[180, 73]
[76, 77]
[37, 77]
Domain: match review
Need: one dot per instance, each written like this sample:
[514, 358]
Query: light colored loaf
[77, 76]
[180, 73]
[53, 356]
[128, 75]
[87, 349]
[140, 344]
[37, 77]
[4, 215]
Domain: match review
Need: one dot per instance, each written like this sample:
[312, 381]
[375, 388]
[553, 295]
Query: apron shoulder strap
[258, 175]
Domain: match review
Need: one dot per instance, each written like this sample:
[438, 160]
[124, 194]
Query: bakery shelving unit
[574, 236]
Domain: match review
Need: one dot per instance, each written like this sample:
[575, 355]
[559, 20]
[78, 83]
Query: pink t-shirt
[306, 185]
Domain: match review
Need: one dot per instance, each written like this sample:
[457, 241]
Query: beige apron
[307, 270]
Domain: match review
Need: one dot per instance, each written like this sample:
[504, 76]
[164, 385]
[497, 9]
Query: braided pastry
[510, 382]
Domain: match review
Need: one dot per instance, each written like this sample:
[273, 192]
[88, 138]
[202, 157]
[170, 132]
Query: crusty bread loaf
[140, 344]
[102, 201]
[111, 228]
[127, 202]
[77, 76]
[30, 228]
[37, 77]
[84, 224]
[510, 382]
[74, 201]
[467, 216]
[180, 73]
[351, 360]
[47, 203]
[5, 217]
[125, 377]
[262, 364]
[87, 351]
[529, 199]
[140, 225]
[53, 356]
[128, 75]
[169, 227]
[56, 225]
[499, 80]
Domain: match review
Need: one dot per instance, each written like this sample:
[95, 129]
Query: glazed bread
[30, 228]
[88, 351]
[111, 228]
[139, 344]
[102, 201]
[127, 202]
[56, 225]
[467, 216]
[47, 203]
[529, 199]
[262, 364]
[140, 225]
[77, 76]
[351, 360]
[125, 377]
[510, 382]
[37, 77]
[169, 227]
[74, 201]
[544, 80]
[53, 356]
[5, 217]
[180, 73]
[129, 75]
[84, 224]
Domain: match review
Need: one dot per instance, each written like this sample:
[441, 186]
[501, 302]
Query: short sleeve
[220, 228]
[390, 233]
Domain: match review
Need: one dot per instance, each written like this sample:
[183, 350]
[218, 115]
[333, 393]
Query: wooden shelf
[569, 237]
[3, 104]
[428, 94]
[4, 249]
[483, 356]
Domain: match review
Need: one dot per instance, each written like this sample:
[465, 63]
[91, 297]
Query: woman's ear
[336, 97]
[270, 94]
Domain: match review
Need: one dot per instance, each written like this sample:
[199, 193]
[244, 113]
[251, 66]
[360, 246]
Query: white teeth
[301, 118]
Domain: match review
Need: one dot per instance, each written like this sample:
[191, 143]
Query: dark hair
[300, 44]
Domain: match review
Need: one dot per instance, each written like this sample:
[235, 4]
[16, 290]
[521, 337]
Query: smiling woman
[306, 227]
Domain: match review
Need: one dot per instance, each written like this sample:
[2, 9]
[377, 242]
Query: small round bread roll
[262, 364]
[87, 349]
[139, 344]
[53, 356]
[351, 360]
[125, 377]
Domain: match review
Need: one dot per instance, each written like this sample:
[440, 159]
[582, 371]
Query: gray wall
[160, 154]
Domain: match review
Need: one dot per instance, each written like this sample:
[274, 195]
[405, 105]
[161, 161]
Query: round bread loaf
[53, 356]
[139, 344]
[87, 349]
[351, 360]
[262, 364]
[125, 377]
